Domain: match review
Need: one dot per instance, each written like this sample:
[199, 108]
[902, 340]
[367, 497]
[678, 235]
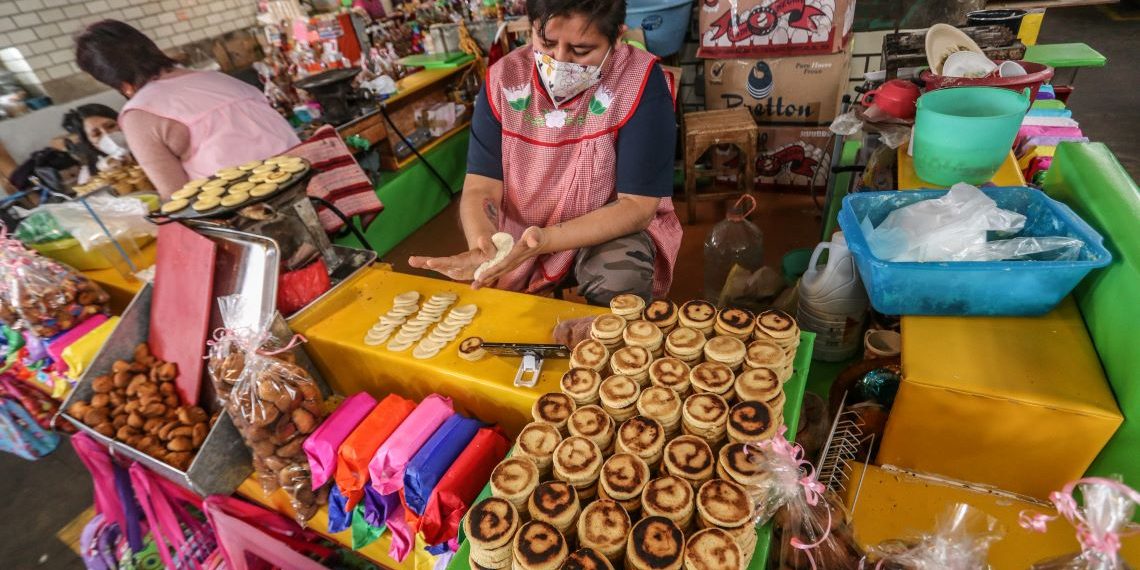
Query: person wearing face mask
[101, 145]
[572, 144]
[181, 124]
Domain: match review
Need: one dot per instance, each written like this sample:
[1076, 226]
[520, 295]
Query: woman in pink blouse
[180, 124]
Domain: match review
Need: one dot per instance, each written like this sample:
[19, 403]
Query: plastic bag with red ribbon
[813, 527]
[275, 405]
[1101, 523]
[960, 540]
[43, 295]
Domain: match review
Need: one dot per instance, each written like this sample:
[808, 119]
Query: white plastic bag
[124, 217]
[1101, 523]
[960, 541]
[942, 228]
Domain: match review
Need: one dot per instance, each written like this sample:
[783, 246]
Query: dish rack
[840, 452]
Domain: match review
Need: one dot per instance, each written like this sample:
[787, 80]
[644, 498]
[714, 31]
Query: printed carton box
[764, 28]
[796, 89]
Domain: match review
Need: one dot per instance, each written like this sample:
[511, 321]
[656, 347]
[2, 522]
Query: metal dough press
[533, 355]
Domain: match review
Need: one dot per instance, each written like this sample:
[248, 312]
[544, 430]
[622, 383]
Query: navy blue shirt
[645, 144]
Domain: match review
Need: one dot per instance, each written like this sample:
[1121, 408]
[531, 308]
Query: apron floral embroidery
[561, 163]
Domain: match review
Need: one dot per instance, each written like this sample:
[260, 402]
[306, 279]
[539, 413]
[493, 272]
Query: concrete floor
[42, 497]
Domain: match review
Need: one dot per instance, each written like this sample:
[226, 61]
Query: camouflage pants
[623, 265]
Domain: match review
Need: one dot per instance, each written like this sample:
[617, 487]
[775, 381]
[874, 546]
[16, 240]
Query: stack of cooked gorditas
[645, 445]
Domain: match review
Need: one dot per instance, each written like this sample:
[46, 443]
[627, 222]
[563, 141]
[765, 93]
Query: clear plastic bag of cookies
[275, 405]
[43, 295]
[225, 357]
[960, 540]
[1102, 519]
[814, 528]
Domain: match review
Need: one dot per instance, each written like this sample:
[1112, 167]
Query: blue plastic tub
[664, 22]
[1014, 288]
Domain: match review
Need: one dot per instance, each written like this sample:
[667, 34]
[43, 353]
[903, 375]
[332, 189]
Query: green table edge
[794, 390]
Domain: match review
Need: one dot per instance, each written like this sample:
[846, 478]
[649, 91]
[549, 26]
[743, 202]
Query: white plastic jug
[833, 303]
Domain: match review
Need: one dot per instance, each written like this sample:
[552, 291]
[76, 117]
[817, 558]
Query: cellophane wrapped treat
[42, 295]
[1101, 522]
[813, 527]
[960, 540]
[225, 358]
[275, 405]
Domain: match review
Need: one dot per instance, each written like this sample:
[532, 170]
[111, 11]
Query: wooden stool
[705, 129]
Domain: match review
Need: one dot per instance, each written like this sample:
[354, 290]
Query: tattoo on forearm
[492, 212]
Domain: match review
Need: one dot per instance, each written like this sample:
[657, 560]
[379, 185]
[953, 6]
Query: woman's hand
[459, 267]
[532, 244]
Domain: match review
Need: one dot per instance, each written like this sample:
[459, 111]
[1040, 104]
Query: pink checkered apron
[560, 164]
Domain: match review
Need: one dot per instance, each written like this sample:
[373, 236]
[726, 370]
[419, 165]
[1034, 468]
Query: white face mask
[562, 80]
[114, 144]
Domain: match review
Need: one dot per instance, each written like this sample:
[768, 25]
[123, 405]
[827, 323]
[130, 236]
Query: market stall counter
[1021, 403]
[888, 504]
[336, 329]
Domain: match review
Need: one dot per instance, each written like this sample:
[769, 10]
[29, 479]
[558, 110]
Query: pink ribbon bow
[1103, 541]
[812, 489]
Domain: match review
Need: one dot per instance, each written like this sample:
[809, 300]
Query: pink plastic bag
[387, 466]
[182, 541]
[321, 447]
[244, 529]
[98, 463]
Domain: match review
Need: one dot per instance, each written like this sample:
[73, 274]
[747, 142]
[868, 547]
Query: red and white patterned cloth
[560, 164]
[338, 179]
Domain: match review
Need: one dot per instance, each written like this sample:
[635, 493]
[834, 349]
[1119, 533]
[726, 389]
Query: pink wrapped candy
[387, 466]
[321, 447]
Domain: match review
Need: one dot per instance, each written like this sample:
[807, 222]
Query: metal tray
[223, 461]
[249, 265]
[299, 179]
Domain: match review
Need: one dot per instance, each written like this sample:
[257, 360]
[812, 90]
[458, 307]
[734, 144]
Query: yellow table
[1008, 175]
[336, 326]
[122, 290]
[1018, 403]
[377, 552]
[893, 505]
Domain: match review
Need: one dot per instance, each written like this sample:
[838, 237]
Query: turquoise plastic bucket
[964, 134]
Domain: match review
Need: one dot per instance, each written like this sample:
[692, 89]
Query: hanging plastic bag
[960, 540]
[814, 527]
[1101, 523]
[43, 295]
[275, 405]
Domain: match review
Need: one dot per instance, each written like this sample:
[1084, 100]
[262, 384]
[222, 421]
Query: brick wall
[35, 35]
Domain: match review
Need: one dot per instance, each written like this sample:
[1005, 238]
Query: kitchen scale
[533, 356]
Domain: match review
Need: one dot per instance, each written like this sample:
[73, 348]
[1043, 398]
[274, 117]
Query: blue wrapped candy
[434, 458]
